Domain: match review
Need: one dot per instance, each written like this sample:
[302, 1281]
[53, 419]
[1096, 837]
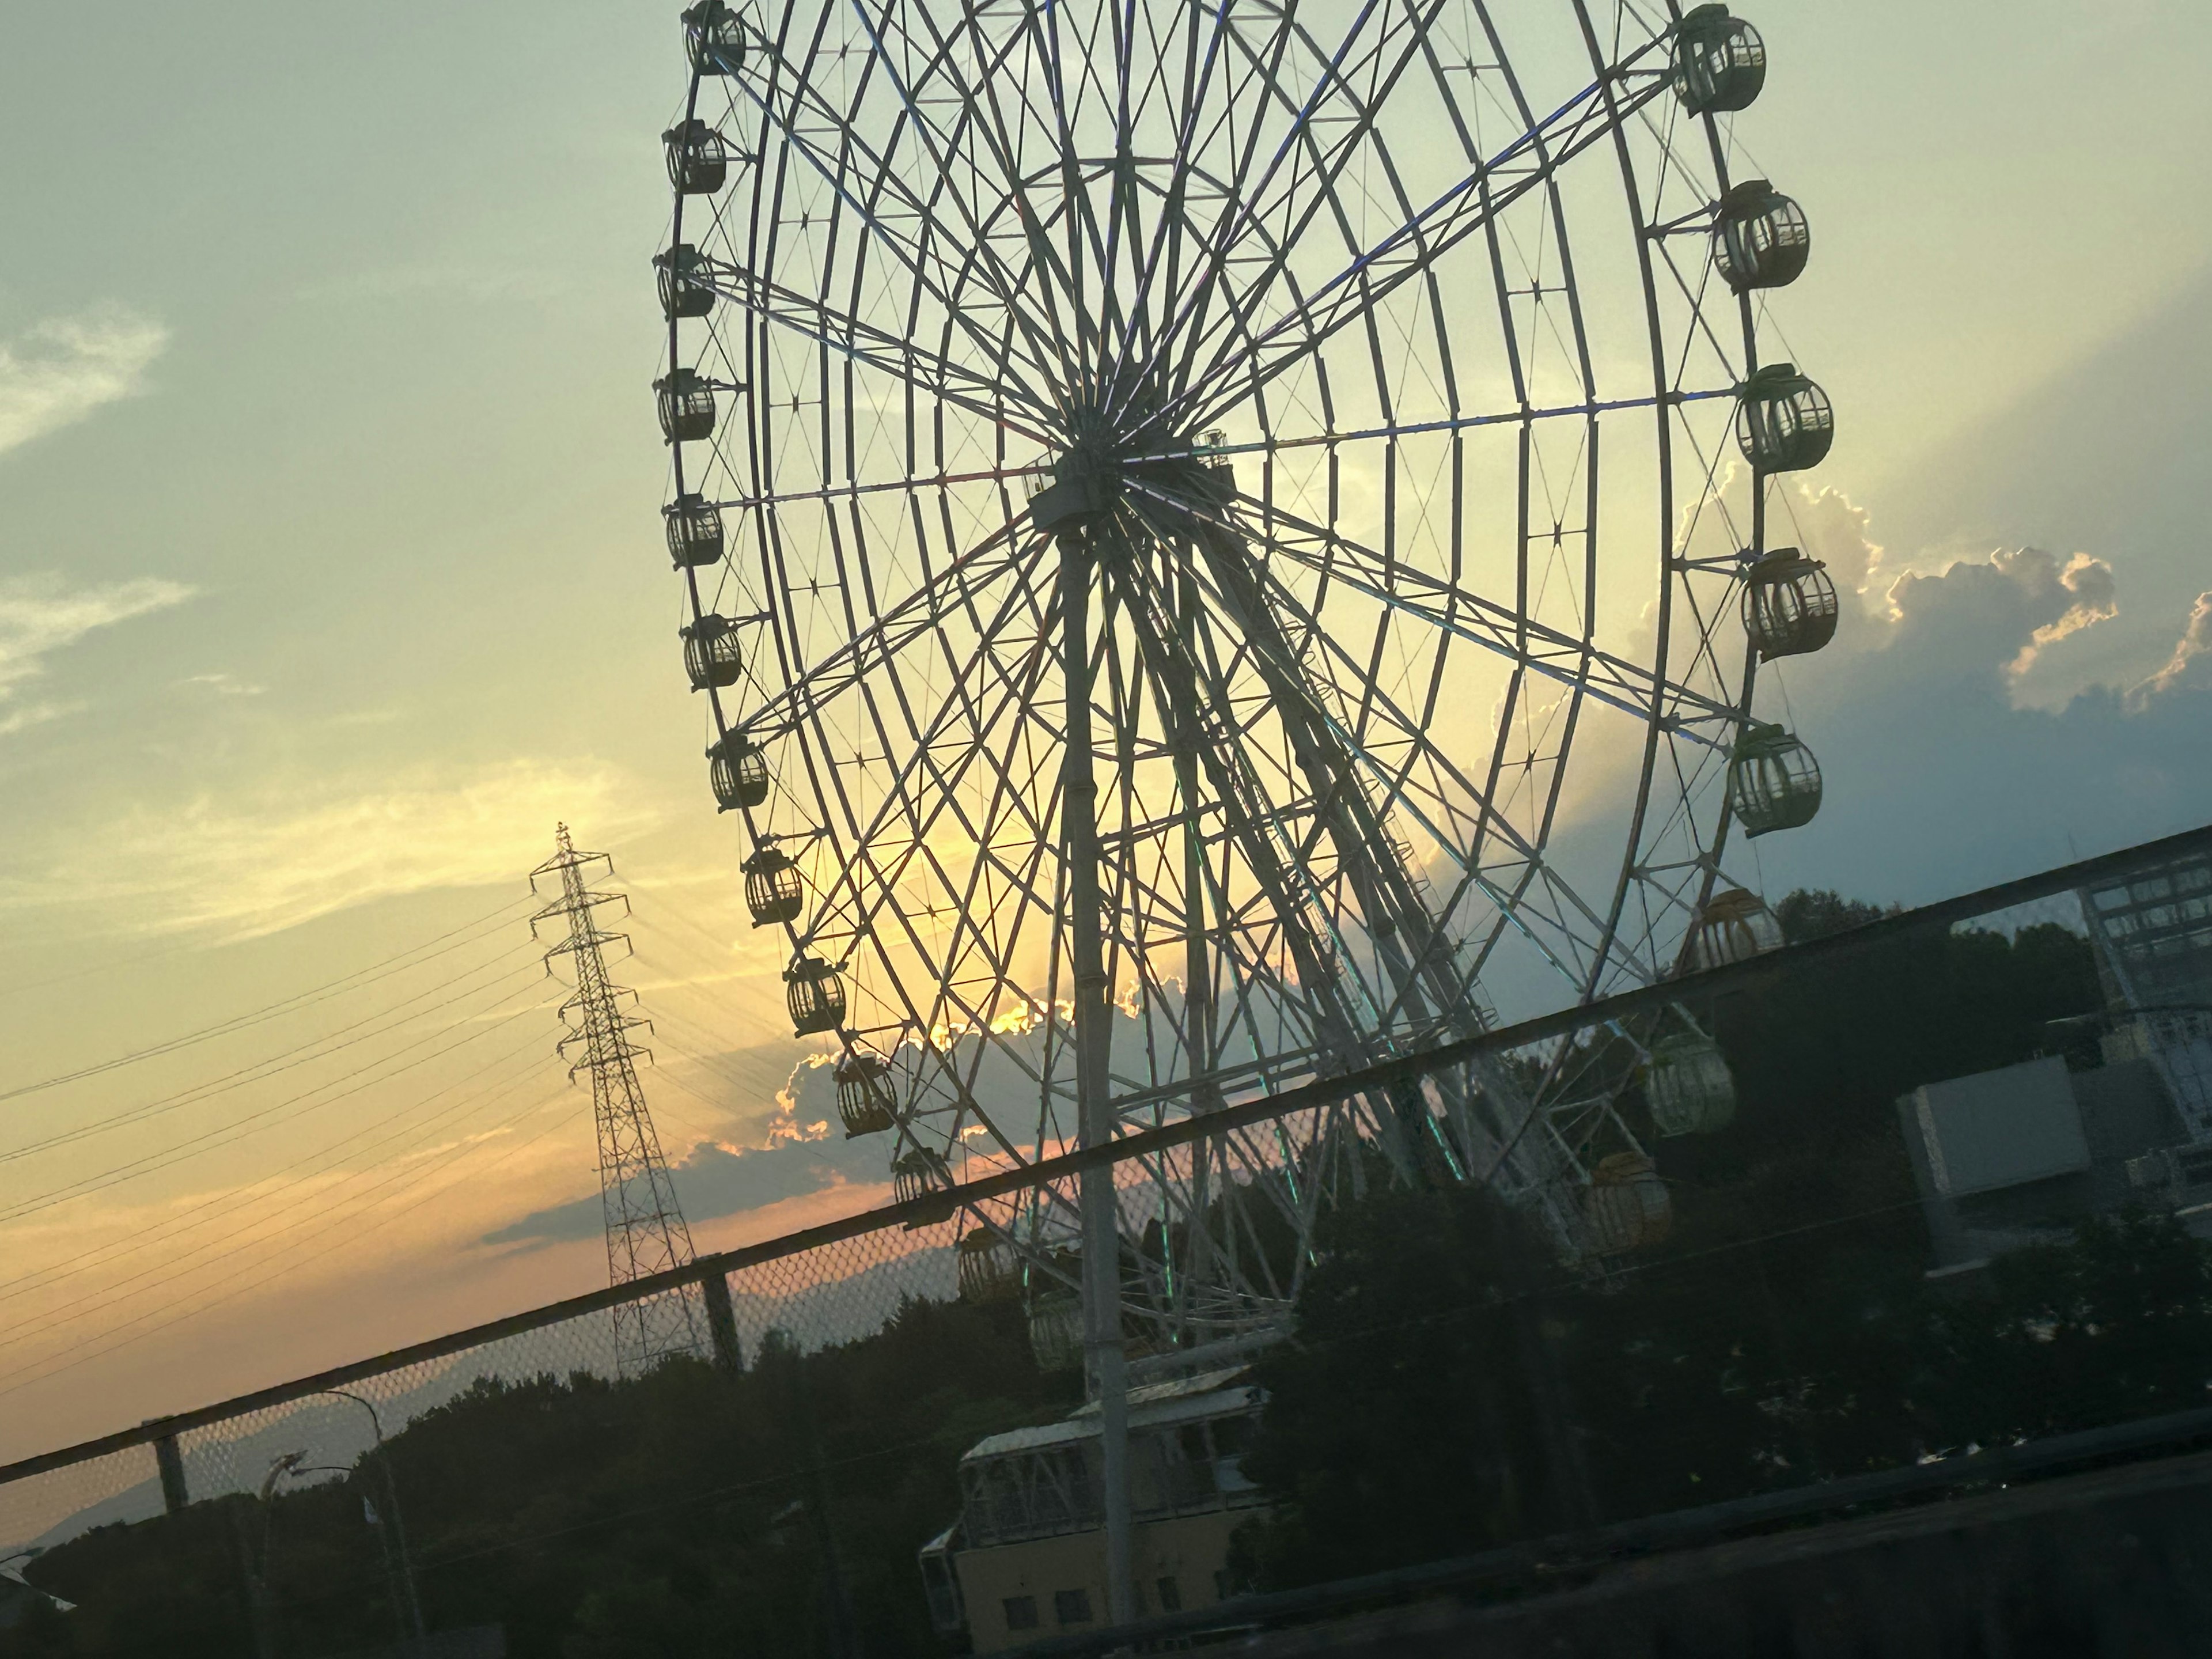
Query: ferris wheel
[1221, 542]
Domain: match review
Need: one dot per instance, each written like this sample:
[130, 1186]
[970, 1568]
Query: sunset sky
[331, 578]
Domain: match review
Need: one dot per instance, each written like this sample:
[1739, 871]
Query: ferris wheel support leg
[1107, 1361]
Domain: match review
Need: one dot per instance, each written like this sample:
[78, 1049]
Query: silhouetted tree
[1412, 1416]
[664, 1516]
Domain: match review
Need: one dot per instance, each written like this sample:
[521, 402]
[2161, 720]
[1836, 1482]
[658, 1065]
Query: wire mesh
[1832, 1297]
[50, 1509]
[839, 1293]
[333, 1431]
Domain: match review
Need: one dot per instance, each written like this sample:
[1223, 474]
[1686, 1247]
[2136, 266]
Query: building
[18, 1596]
[2152, 931]
[1027, 1558]
[2016, 1156]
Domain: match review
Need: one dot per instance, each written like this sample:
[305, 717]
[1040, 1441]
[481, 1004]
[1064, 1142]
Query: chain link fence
[1806, 1288]
[810, 1298]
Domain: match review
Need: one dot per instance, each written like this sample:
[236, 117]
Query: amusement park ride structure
[1164, 629]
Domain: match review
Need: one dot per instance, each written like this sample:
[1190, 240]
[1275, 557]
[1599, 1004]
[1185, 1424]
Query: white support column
[1105, 1362]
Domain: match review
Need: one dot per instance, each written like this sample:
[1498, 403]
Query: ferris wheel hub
[1080, 485]
[1085, 487]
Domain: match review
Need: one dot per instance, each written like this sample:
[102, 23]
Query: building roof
[1157, 1404]
[17, 1593]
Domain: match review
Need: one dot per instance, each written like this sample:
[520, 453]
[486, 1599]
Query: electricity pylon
[645, 1228]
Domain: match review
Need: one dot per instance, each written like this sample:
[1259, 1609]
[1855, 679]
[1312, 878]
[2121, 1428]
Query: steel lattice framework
[644, 1229]
[1136, 478]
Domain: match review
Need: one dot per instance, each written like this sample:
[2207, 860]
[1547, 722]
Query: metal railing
[840, 1279]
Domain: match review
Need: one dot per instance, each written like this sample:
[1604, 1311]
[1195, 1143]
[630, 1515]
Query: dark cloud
[804, 1152]
[2184, 667]
[801, 1148]
[2107, 455]
[1945, 768]
[717, 1181]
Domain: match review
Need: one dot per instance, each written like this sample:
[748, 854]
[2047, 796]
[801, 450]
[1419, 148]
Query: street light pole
[260, 1606]
[390, 1523]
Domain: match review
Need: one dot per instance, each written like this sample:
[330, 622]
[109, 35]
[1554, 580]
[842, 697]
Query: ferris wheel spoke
[1082, 248]
[1450, 608]
[904, 806]
[1310, 187]
[933, 272]
[1464, 800]
[897, 356]
[811, 688]
[1191, 678]
[846, 492]
[1393, 431]
[1188, 290]
[1017, 894]
[1014, 898]
[1575, 925]
[1189, 293]
[1159, 263]
[1012, 104]
[946, 148]
[1162, 907]
[1125, 231]
[1334, 99]
[1064, 293]
[1529, 163]
[902, 803]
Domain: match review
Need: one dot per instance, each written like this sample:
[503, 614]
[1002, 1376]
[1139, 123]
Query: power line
[256, 1238]
[124, 1172]
[259, 1236]
[712, 1059]
[335, 1153]
[722, 958]
[290, 1005]
[136, 959]
[293, 1262]
[259, 1071]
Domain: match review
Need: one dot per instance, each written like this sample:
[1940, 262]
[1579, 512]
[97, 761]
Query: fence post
[722, 1324]
[175, 1497]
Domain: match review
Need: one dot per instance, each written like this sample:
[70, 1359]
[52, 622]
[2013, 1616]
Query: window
[1021, 1612]
[1232, 1436]
[1171, 1595]
[1071, 1607]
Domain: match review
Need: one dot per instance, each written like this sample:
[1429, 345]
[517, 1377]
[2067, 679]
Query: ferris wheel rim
[1666, 399]
[1381, 432]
